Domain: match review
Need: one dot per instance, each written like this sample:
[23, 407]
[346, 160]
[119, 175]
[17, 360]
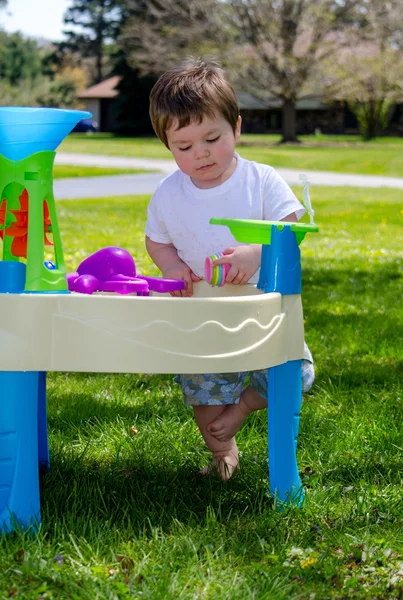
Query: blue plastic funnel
[25, 130]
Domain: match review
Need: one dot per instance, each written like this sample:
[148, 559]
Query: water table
[45, 327]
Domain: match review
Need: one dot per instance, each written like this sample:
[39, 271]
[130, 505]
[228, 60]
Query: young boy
[195, 114]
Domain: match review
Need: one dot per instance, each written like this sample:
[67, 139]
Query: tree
[368, 72]
[131, 107]
[61, 90]
[283, 42]
[158, 33]
[20, 58]
[26, 78]
[270, 47]
[98, 23]
[141, 62]
[370, 81]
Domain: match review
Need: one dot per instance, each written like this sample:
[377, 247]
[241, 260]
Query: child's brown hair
[193, 89]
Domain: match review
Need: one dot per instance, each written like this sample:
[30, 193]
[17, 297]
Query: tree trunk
[289, 121]
[368, 123]
[98, 68]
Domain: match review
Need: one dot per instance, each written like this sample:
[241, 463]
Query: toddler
[194, 112]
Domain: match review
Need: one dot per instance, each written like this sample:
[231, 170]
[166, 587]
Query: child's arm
[171, 266]
[245, 260]
[292, 218]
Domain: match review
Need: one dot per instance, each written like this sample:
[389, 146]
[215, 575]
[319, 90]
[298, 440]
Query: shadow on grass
[100, 405]
[152, 478]
[371, 468]
[92, 410]
[146, 494]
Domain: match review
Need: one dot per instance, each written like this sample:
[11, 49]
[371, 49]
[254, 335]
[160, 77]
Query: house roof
[248, 102]
[104, 89]
[107, 89]
[311, 103]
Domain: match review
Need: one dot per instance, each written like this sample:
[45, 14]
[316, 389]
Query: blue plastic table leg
[284, 404]
[43, 448]
[19, 477]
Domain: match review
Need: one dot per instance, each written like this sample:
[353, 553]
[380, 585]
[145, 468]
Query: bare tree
[283, 41]
[159, 33]
[270, 47]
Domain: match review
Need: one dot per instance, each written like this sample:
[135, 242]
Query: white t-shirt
[179, 212]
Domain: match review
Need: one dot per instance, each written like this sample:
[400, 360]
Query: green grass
[343, 154]
[124, 515]
[115, 146]
[62, 171]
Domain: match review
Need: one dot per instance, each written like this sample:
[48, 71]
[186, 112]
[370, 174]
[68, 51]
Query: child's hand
[181, 271]
[244, 261]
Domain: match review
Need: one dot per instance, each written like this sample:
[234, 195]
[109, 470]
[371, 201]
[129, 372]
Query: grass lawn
[343, 154]
[124, 515]
[62, 171]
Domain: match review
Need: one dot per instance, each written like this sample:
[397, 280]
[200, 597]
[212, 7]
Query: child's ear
[238, 128]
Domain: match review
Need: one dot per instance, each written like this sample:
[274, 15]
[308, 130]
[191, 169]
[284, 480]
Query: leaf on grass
[126, 562]
[272, 558]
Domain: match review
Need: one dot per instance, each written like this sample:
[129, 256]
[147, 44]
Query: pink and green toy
[215, 274]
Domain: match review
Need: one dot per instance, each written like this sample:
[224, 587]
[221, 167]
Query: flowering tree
[368, 72]
[370, 80]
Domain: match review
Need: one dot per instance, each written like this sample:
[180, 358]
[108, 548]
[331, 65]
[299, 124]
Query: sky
[35, 18]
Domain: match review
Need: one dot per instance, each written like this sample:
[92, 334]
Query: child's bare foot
[224, 427]
[224, 467]
[225, 453]
[228, 423]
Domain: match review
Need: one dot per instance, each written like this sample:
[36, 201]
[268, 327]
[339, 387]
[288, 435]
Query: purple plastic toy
[112, 269]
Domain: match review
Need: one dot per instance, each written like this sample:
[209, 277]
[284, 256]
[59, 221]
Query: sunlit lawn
[343, 154]
[124, 515]
[62, 171]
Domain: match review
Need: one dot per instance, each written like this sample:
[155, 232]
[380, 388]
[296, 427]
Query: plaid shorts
[214, 389]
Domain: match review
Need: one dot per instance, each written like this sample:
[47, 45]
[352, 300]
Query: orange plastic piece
[19, 228]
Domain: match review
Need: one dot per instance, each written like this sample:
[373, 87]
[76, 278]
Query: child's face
[205, 151]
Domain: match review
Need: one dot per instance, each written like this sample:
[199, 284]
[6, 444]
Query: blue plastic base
[12, 277]
[43, 448]
[19, 477]
[284, 405]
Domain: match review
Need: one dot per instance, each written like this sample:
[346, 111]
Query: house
[312, 113]
[99, 100]
[258, 116]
